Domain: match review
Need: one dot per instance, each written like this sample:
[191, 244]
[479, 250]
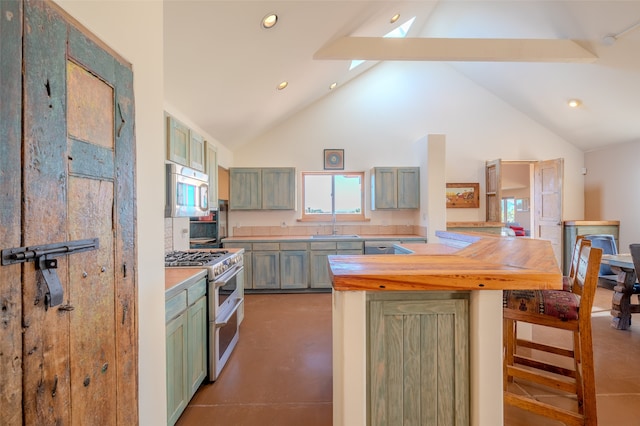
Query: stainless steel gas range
[225, 298]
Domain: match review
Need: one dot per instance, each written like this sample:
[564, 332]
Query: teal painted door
[419, 362]
[70, 176]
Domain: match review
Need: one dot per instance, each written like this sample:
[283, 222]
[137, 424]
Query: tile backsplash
[176, 233]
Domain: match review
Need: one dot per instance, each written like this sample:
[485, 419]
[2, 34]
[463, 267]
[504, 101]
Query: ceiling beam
[455, 49]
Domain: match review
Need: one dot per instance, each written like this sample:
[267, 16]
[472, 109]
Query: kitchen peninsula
[419, 336]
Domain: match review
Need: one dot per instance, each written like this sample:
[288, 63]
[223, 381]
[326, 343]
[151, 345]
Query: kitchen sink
[334, 237]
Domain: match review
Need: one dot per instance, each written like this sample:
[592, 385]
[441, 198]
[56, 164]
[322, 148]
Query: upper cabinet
[395, 188]
[211, 169]
[184, 146]
[262, 188]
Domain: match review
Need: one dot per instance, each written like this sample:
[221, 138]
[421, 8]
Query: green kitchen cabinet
[395, 188]
[184, 146]
[186, 346]
[419, 359]
[177, 142]
[319, 252]
[262, 188]
[196, 151]
[211, 169]
[177, 395]
[245, 189]
[294, 265]
[266, 266]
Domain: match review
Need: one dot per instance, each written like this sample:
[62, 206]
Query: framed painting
[334, 159]
[463, 195]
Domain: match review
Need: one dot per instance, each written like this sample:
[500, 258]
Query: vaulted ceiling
[222, 68]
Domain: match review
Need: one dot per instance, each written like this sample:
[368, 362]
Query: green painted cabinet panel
[395, 188]
[177, 393]
[245, 189]
[419, 361]
[408, 188]
[196, 151]
[262, 188]
[186, 346]
[197, 345]
[177, 142]
[320, 268]
[294, 269]
[266, 269]
[278, 189]
[211, 169]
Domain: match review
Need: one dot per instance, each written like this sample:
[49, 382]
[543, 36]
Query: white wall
[134, 30]
[379, 116]
[611, 191]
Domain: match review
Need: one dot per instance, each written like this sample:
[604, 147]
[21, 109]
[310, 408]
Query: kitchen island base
[481, 393]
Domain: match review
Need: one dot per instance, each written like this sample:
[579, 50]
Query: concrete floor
[280, 373]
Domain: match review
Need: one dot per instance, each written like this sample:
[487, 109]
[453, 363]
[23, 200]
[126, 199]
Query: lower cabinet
[294, 265]
[319, 251]
[418, 359]
[186, 340]
[266, 266]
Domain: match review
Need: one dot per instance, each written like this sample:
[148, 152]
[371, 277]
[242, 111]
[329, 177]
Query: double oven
[225, 298]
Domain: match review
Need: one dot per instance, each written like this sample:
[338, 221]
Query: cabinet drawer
[266, 246]
[350, 245]
[293, 246]
[174, 306]
[324, 245]
[196, 291]
[246, 246]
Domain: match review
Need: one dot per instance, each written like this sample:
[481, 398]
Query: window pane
[348, 194]
[317, 194]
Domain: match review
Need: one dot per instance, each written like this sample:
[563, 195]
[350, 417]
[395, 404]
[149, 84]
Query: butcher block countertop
[460, 261]
[177, 279]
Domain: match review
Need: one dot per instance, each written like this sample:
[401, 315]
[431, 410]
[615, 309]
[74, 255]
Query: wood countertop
[175, 279]
[591, 222]
[460, 262]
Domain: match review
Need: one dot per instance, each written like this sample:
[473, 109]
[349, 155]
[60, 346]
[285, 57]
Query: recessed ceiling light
[269, 21]
[394, 18]
[574, 103]
[333, 85]
[283, 85]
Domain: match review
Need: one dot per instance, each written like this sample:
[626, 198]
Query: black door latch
[43, 256]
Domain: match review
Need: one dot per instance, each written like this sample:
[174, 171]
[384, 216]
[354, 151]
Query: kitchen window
[331, 196]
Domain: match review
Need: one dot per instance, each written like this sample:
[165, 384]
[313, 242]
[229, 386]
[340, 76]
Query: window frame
[306, 217]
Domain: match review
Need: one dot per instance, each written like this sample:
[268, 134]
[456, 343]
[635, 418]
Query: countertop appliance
[187, 192]
[225, 297]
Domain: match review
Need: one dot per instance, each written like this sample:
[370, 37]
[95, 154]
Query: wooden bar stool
[566, 310]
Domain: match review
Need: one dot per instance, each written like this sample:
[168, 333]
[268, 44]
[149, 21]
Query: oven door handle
[223, 279]
[226, 319]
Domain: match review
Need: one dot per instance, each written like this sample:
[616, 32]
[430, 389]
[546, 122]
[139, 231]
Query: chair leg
[588, 378]
[577, 365]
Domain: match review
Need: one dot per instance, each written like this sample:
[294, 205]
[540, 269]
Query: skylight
[398, 32]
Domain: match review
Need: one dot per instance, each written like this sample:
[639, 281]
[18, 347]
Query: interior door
[494, 190]
[77, 160]
[548, 177]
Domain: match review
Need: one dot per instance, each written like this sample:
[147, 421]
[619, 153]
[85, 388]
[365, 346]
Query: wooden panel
[177, 142]
[223, 183]
[320, 268]
[245, 189]
[46, 332]
[294, 269]
[10, 217]
[196, 151]
[384, 188]
[266, 269]
[177, 341]
[278, 188]
[493, 199]
[90, 107]
[409, 188]
[92, 349]
[196, 291]
[197, 345]
[175, 306]
[419, 362]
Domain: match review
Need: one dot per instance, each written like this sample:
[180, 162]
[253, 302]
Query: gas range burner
[193, 258]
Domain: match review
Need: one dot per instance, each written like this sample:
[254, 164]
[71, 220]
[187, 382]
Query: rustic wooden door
[548, 203]
[74, 175]
[494, 190]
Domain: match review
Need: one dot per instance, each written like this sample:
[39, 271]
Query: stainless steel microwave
[187, 192]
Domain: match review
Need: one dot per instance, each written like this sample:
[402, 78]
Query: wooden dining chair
[567, 280]
[566, 310]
